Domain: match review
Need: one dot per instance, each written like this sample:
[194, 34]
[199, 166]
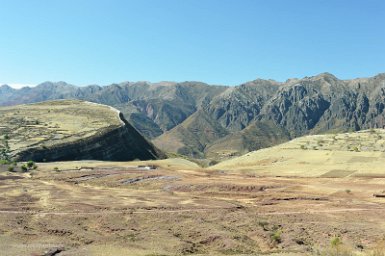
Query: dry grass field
[286, 200]
[331, 155]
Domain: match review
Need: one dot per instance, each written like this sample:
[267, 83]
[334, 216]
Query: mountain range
[217, 122]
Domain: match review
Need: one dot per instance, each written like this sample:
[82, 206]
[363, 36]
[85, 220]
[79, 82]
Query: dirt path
[343, 210]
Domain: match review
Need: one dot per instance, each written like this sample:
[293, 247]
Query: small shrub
[276, 236]
[337, 248]
[348, 191]
[11, 168]
[30, 164]
[24, 168]
[56, 169]
[335, 245]
[335, 242]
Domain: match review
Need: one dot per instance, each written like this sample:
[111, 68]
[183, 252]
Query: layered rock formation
[72, 130]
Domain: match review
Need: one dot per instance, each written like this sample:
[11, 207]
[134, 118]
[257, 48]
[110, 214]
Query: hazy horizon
[20, 86]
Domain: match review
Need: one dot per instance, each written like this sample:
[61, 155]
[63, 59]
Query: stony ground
[104, 208]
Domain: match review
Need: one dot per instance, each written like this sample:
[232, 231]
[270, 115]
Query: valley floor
[104, 208]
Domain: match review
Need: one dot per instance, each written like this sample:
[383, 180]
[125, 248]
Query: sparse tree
[5, 152]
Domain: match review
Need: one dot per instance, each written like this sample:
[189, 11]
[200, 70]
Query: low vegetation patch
[276, 236]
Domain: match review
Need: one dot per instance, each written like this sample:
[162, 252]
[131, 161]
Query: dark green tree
[5, 152]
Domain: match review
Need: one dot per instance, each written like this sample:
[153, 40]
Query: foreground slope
[332, 155]
[71, 130]
[123, 208]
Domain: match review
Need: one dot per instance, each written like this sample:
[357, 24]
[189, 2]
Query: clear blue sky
[215, 41]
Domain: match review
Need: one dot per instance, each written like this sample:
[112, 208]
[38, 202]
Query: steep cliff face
[72, 130]
[324, 103]
[237, 107]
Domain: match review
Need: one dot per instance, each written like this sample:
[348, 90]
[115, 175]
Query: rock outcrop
[72, 130]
